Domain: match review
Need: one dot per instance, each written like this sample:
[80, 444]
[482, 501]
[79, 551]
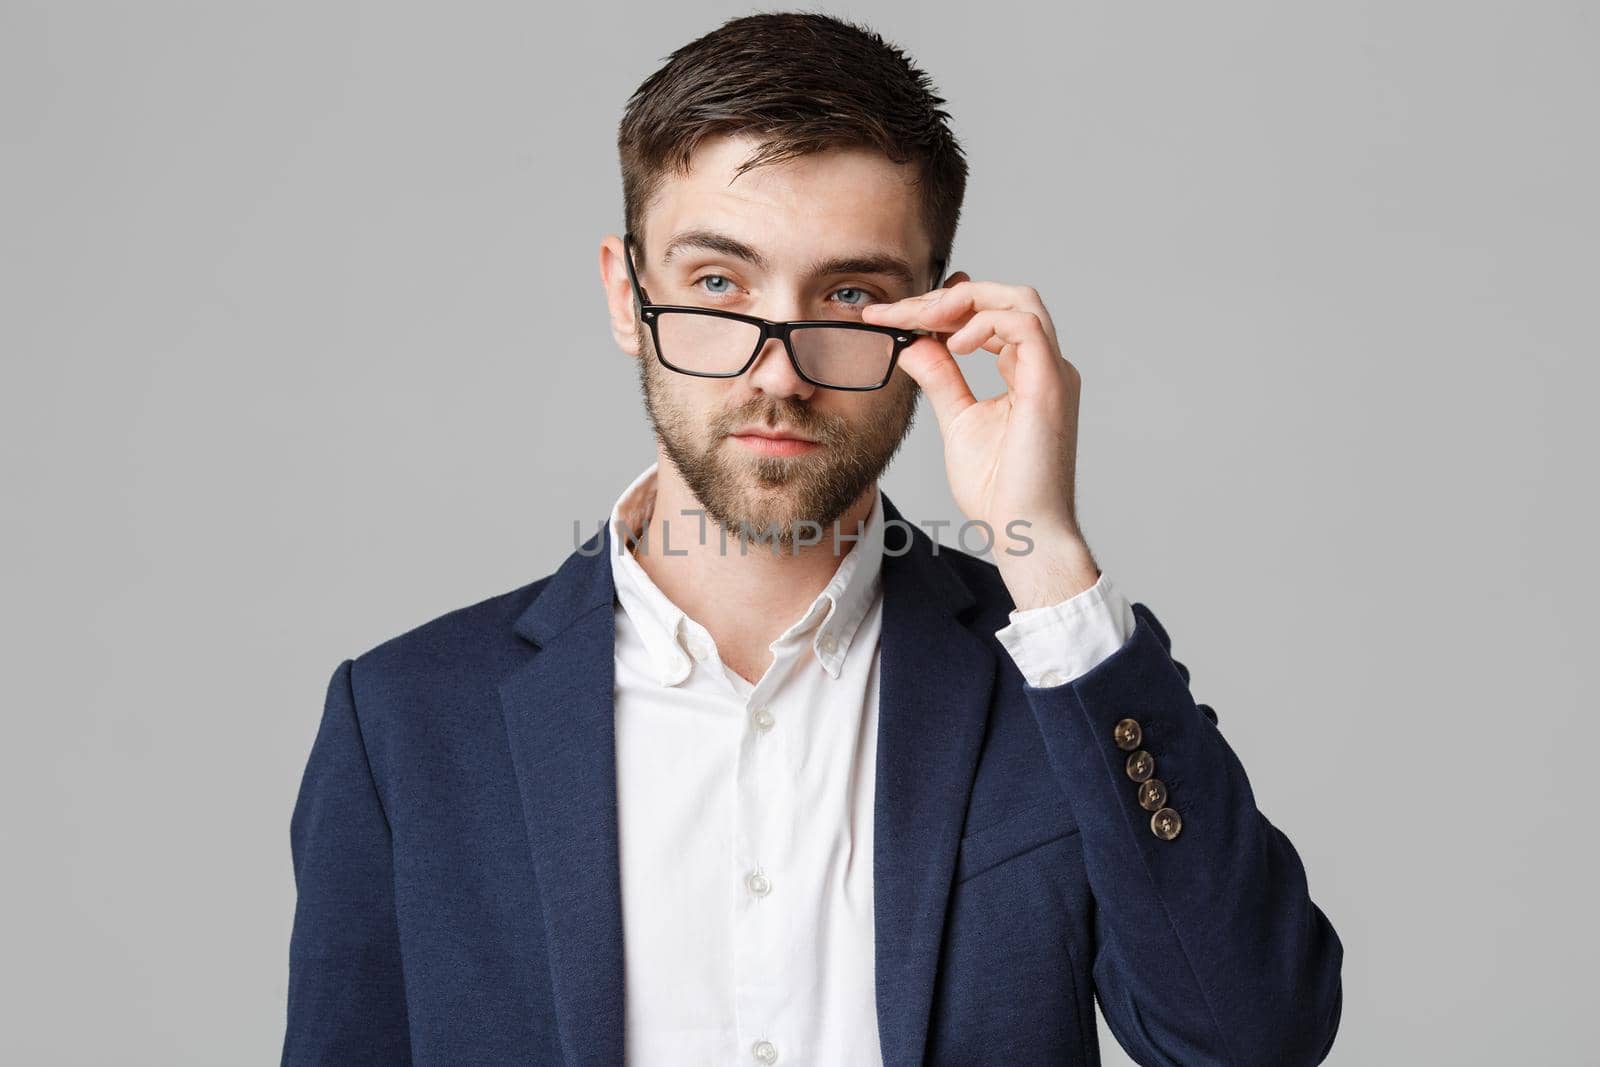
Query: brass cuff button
[1166, 823]
[1141, 765]
[1153, 795]
[1128, 735]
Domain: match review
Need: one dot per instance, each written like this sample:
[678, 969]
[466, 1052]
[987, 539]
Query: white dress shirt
[745, 811]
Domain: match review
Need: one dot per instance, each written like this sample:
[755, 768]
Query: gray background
[304, 345]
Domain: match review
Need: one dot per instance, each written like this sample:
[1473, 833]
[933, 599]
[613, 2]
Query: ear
[619, 295]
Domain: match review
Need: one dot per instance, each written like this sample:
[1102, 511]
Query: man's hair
[799, 82]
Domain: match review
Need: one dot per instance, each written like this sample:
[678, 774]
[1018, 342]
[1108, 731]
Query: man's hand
[1012, 456]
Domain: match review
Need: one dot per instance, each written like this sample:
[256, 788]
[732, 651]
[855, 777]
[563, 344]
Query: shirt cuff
[1054, 644]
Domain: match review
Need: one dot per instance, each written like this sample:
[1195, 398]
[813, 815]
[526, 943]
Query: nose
[774, 375]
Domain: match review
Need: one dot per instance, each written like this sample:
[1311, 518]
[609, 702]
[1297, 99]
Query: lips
[772, 435]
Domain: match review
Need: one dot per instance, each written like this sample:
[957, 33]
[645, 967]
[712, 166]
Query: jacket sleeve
[346, 993]
[1209, 949]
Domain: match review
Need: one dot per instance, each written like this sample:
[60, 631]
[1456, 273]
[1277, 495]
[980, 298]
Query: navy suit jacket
[458, 892]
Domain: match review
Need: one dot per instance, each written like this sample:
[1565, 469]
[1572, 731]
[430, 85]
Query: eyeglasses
[713, 343]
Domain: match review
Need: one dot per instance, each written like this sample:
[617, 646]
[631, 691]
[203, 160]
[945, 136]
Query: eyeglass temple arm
[627, 252]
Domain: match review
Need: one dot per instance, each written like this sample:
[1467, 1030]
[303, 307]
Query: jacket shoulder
[462, 641]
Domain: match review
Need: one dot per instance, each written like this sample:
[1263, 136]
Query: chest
[745, 833]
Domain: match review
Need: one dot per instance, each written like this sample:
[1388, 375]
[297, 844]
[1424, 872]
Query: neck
[746, 597]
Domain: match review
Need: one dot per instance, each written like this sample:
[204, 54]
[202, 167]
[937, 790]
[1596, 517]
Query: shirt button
[1050, 678]
[827, 644]
[765, 1051]
[764, 719]
[759, 884]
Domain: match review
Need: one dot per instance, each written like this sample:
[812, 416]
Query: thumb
[935, 369]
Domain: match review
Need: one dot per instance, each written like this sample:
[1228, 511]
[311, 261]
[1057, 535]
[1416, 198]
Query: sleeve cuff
[1054, 644]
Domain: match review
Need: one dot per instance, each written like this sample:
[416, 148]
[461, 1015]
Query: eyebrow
[885, 264]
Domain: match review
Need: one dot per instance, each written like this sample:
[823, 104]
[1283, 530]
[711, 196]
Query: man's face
[846, 203]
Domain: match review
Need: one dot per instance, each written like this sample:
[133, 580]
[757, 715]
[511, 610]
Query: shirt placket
[765, 912]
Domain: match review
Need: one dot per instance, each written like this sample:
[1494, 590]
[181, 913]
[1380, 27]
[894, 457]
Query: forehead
[796, 210]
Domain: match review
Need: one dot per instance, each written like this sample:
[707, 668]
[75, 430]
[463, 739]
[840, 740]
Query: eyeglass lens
[711, 344]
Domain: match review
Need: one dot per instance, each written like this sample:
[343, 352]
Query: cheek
[700, 403]
[875, 409]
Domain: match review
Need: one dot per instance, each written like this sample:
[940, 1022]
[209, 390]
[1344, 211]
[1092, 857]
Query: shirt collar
[841, 606]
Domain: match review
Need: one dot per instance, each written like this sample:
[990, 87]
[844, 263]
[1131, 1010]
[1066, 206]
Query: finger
[932, 366]
[1007, 360]
[1036, 372]
[945, 308]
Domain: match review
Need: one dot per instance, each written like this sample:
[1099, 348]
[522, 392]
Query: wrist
[1053, 570]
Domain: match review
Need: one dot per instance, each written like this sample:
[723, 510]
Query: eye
[866, 297]
[714, 291]
[721, 285]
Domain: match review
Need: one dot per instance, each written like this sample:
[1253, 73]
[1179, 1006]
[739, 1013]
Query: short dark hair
[801, 82]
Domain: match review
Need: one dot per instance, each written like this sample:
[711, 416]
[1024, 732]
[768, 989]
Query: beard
[770, 498]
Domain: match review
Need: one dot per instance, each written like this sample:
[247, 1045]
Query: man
[721, 790]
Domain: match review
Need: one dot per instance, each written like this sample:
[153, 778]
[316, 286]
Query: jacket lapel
[558, 712]
[936, 676]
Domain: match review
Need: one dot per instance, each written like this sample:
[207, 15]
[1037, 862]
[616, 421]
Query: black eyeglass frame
[651, 312]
